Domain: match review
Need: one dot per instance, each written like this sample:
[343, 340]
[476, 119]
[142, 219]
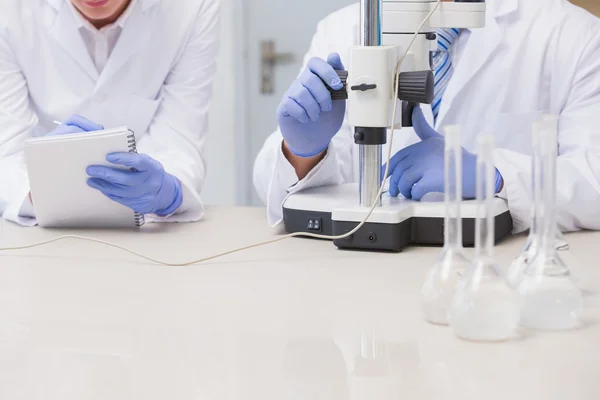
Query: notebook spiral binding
[139, 218]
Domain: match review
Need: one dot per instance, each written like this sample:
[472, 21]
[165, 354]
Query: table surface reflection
[294, 320]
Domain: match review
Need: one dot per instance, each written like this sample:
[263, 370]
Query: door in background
[283, 40]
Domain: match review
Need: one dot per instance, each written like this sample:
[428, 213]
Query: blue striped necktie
[442, 66]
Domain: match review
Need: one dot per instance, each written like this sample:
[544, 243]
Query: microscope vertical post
[370, 154]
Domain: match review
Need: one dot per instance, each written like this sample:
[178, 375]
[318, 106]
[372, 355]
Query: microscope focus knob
[416, 87]
[341, 94]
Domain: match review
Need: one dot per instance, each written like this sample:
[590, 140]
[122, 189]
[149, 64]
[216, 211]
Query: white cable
[281, 238]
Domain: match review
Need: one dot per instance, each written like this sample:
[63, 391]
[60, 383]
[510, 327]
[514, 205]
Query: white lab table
[294, 320]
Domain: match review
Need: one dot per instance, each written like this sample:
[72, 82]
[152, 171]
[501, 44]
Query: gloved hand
[76, 124]
[419, 169]
[147, 189]
[307, 116]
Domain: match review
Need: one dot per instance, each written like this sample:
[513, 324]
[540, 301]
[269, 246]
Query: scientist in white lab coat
[533, 57]
[146, 64]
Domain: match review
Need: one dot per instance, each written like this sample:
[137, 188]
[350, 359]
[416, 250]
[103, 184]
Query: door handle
[269, 60]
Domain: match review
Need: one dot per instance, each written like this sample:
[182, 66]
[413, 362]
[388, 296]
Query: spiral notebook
[57, 175]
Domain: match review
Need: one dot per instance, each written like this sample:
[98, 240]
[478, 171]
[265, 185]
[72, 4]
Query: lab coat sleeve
[274, 176]
[177, 133]
[17, 120]
[578, 165]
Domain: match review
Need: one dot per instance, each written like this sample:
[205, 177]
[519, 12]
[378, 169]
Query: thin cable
[285, 237]
[153, 260]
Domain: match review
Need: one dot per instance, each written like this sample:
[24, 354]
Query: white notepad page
[57, 175]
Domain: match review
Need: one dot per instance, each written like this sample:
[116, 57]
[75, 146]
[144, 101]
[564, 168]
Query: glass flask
[485, 308]
[533, 244]
[442, 279]
[550, 296]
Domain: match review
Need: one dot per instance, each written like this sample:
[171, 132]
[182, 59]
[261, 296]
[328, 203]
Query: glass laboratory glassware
[484, 307]
[374, 375]
[533, 244]
[443, 277]
[550, 296]
[373, 359]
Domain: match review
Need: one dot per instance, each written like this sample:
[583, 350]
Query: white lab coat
[158, 82]
[533, 57]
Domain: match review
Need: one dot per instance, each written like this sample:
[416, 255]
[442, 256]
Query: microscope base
[397, 224]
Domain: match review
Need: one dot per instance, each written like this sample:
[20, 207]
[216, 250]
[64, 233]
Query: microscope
[370, 84]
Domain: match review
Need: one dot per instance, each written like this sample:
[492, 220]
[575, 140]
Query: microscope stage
[333, 210]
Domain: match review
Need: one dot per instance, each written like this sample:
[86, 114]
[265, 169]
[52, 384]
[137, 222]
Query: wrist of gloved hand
[305, 153]
[499, 181]
[172, 188]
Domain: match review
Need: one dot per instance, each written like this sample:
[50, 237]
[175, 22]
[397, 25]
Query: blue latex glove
[146, 188]
[419, 169]
[307, 116]
[76, 124]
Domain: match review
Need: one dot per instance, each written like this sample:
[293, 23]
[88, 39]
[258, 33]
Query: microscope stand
[332, 210]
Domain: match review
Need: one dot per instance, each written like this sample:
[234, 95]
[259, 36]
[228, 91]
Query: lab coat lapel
[136, 32]
[480, 47]
[67, 35]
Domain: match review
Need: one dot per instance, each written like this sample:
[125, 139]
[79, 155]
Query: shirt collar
[84, 23]
[57, 4]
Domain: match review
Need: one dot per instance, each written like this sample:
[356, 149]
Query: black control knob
[416, 87]
[341, 94]
[364, 87]
[407, 113]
